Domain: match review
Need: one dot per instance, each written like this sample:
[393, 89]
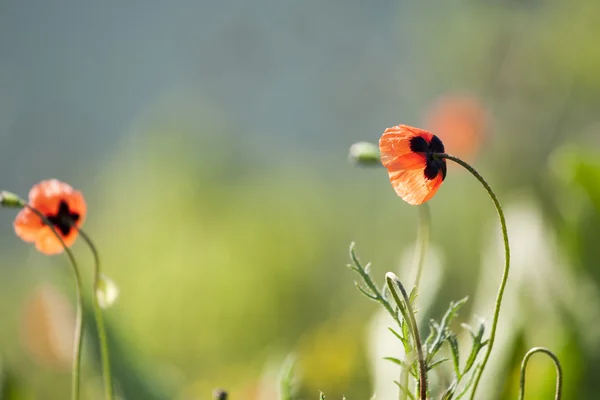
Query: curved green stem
[78, 334]
[558, 392]
[492, 195]
[409, 315]
[423, 235]
[104, 355]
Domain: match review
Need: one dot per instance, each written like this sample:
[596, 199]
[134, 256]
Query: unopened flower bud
[8, 199]
[365, 154]
[107, 292]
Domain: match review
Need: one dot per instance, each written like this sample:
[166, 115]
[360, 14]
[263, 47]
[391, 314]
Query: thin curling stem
[78, 334]
[423, 235]
[500, 295]
[409, 315]
[558, 392]
[104, 355]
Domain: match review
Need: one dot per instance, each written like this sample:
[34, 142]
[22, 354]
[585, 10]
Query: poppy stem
[78, 334]
[409, 316]
[423, 235]
[104, 355]
[504, 280]
[558, 392]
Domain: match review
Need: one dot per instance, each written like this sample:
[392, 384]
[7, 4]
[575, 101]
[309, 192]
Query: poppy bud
[107, 291]
[219, 394]
[365, 154]
[8, 199]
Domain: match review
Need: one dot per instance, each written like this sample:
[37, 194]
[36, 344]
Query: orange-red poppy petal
[51, 197]
[412, 185]
[47, 195]
[27, 225]
[395, 150]
[47, 242]
[406, 167]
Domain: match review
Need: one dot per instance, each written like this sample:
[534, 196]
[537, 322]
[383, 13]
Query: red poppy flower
[63, 206]
[461, 120]
[407, 153]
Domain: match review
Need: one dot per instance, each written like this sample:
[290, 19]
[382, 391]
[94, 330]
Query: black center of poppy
[433, 165]
[64, 219]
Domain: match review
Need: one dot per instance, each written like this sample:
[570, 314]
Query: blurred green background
[210, 140]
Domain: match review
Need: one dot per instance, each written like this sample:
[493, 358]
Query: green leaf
[404, 327]
[468, 385]
[287, 386]
[453, 344]
[404, 341]
[321, 396]
[449, 393]
[443, 329]
[405, 390]
[412, 297]
[364, 292]
[396, 361]
[436, 363]
[409, 368]
[476, 347]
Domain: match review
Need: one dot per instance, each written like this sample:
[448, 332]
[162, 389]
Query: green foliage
[287, 384]
[439, 334]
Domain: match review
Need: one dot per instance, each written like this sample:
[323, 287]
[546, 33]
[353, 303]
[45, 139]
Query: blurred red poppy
[461, 120]
[407, 153]
[63, 206]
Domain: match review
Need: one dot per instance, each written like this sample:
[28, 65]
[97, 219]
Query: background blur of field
[210, 140]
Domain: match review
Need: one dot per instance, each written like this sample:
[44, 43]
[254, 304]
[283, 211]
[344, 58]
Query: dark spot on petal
[433, 167]
[64, 219]
[418, 145]
[436, 145]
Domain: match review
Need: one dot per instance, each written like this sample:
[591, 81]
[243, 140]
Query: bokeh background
[211, 142]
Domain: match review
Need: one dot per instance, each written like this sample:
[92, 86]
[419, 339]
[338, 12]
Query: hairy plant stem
[409, 316]
[423, 235]
[504, 279]
[104, 355]
[558, 391]
[78, 334]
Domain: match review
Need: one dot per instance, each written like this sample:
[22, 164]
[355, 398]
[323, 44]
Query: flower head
[461, 120]
[62, 206]
[408, 154]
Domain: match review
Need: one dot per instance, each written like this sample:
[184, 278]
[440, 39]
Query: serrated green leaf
[453, 344]
[364, 292]
[396, 361]
[403, 364]
[443, 329]
[403, 340]
[436, 363]
[412, 297]
[404, 327]
[475, 348]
